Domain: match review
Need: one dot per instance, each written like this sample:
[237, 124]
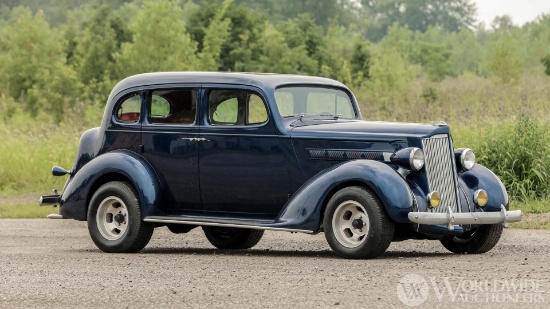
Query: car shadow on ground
[325, 254]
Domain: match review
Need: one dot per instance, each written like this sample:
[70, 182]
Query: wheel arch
[103, 179]
[304, 210]
[113, 166]
[340, 186]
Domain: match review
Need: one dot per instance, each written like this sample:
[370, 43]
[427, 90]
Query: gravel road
[54, 264]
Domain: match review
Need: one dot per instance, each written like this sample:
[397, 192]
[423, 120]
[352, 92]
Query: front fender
[481, 177]
[77, 193]
[305, 209]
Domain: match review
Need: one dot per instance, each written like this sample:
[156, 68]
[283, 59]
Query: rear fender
[304, 210]
[121, 164]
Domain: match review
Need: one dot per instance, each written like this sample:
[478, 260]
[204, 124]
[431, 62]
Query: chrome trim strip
[204, 132]
[196, 132]
[123, 131]
[234, 225]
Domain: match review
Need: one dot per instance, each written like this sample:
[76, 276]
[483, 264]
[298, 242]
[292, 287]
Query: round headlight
[481, 197]
[467, 159]
[434, 199]
[416, 160]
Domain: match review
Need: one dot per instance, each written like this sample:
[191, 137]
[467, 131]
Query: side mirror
[59, 171]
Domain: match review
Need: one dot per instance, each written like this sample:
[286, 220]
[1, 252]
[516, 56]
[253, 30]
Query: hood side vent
[344, 154]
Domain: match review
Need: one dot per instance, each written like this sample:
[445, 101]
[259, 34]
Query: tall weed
[520, 156]
[30, 147]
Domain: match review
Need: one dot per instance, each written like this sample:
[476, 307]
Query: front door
[242, 168]
[170, 145]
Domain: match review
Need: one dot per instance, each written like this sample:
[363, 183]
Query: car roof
[260, 80]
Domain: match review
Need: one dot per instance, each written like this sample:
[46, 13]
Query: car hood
[364, 130]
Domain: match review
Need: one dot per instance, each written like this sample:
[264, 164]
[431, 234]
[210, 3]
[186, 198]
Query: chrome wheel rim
[112, 218]
[350, 224]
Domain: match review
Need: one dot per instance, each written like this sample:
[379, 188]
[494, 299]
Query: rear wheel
[114, 219]
[356, 225]
[480, 240]
[232, 238]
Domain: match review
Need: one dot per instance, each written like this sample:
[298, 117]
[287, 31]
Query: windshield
[314, 101]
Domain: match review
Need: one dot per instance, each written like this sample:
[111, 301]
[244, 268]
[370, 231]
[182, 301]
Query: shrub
[520, 156]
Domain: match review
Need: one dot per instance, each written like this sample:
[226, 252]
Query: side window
[226, 112]
[173, 106]
[235, 107]
[256, 110]
[128, 111]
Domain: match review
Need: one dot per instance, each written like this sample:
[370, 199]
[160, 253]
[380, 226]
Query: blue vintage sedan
[240, 153]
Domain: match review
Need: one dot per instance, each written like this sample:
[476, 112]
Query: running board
[233, 223]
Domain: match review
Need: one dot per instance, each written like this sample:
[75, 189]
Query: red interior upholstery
[129, 117]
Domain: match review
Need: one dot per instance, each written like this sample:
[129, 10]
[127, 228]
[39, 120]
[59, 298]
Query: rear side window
[173, 106]
[129, 110]
[236, 107]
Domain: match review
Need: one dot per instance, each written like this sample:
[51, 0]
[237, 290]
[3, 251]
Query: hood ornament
[439, 123]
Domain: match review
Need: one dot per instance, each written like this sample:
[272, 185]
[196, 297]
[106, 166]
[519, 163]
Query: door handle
[195, 139]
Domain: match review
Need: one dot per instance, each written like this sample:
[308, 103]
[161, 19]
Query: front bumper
[451, 219]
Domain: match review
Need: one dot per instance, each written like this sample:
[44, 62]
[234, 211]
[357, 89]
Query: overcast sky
[522, 11]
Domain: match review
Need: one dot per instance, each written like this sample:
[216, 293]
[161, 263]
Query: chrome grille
[440, 171]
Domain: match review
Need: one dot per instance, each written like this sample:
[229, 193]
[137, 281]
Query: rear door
[169, 138]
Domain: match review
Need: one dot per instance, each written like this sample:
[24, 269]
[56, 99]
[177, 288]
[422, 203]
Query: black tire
[114, 219]
[480, 240]
[232, 238]
[369, 232]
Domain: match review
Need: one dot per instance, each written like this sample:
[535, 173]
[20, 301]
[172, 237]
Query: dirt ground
[54, 264]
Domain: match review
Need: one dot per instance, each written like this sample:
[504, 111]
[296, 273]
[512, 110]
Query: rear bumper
[49, 200]
[451, 219]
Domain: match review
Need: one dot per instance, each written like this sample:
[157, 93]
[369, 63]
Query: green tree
[344, 12]
[93, 54]
[160, 41]
[391, 75]
[274, 54]
[240, 44]
[214, 37]
[466, 52]
[419, 15]
[504, 62]
[302, 32]
[360, 62]
[33, 66]
[434, 59]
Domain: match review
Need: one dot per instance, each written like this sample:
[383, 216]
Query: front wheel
[480, 240]
[232, 238]
[356, 225]
[114, 219]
